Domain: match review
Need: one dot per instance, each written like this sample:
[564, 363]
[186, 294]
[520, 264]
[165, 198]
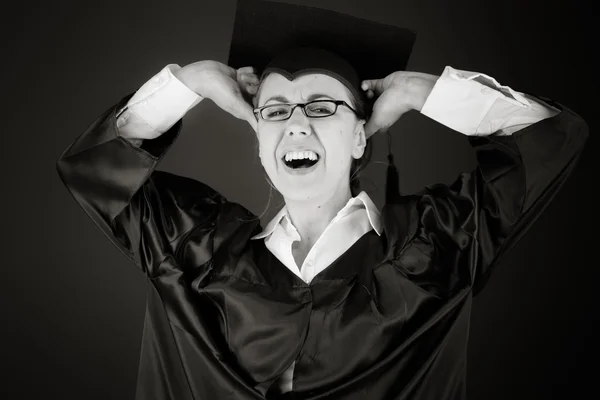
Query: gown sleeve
[481, 216]
[144, 212]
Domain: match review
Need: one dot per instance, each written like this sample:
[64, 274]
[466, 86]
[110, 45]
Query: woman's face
[333, 141]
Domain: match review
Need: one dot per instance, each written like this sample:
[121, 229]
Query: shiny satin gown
[389, 319]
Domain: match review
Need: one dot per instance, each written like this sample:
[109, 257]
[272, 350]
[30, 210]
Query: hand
[227, 87]
[396, 94]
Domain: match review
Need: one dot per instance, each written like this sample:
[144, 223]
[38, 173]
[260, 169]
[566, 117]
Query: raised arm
[110, 168]
[526, 147]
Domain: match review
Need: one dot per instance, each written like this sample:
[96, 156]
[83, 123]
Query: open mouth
[300, 159]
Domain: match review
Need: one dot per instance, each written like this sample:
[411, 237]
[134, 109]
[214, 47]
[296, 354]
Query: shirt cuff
[163, 100]
[461, 100]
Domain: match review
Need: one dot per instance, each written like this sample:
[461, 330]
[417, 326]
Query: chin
[304, 185]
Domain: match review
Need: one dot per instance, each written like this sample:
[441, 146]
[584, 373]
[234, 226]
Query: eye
[275, 111]
[321, 108]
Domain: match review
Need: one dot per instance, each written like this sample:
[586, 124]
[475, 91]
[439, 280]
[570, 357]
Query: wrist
[419, 87]
[188, 77]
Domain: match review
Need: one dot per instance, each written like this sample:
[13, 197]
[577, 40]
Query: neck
[311, 217]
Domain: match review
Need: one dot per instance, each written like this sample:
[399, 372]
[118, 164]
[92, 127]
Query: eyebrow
[283, 99]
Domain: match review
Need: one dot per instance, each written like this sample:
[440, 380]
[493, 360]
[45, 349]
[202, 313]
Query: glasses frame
[258, 111]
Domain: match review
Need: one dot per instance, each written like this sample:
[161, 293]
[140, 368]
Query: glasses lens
[276, 112]
[320, 108]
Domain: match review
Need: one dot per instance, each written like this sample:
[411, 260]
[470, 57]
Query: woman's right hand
[224, 85]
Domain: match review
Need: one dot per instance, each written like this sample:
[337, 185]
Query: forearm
[112, 159]
[547, 136]
[510, 131]
[102, 170]
[142, 211]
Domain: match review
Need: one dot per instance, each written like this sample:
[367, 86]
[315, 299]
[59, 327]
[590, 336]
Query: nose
[298, 124]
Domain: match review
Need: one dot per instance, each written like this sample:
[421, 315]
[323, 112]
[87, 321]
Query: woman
[332, 299]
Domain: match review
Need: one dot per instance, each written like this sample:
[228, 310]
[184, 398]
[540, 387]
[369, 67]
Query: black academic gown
[389, 319]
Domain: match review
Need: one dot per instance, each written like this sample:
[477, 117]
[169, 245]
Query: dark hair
[357, 166]
[363, 108]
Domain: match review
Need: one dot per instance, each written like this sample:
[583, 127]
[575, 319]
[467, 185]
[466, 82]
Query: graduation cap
[293, 40]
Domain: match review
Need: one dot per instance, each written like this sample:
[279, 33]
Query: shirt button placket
[310, 270]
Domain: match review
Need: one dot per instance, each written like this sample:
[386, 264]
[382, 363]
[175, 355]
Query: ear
[360, 140]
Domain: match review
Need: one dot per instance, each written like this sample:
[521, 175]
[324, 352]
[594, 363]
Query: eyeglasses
[313, 109]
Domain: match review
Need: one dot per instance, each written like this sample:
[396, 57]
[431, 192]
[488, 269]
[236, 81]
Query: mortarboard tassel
[392, 183]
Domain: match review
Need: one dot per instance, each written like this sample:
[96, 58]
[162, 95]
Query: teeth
[300, 155]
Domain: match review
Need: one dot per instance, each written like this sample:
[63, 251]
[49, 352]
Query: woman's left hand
[396, 94]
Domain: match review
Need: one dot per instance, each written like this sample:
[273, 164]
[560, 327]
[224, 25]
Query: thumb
[382, 118]
[242, 110]
[375, 85]
[246, 70]
[372, 127]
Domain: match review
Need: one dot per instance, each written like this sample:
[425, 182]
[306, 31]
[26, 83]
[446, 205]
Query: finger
[250, 78]
[242, 110]
[382, 118]
[246, 70]
[376, 85]
[248, 83]
[250, 89]
[371, 128]
[379, 122]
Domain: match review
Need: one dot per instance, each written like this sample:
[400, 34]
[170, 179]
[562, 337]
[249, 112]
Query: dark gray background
[72, 306]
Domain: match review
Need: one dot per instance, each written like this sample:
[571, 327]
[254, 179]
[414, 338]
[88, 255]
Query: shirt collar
[361, 201]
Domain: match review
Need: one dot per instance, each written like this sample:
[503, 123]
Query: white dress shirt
[358, 217]
[468, 102]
